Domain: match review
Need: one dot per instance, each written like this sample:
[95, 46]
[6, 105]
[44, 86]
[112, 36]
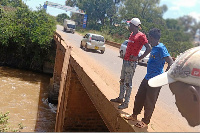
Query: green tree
[111, 13]
[144, 9]
[189, 24]
[13, 3]
[95, 9]
[111, 19]
[176, 41]
[26, 36]
[173, 24]
[60, 17]
[78, 18]
[71, 3]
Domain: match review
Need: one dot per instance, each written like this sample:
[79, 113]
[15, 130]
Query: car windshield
[98, 38]
[71, 26]
[143, 48]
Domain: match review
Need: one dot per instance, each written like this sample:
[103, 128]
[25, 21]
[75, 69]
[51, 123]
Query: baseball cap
[186, 69]
[135, 21]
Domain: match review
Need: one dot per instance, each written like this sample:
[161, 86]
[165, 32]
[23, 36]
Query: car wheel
[86, 49]
[102, 51]
[81, 46]
[121, 54]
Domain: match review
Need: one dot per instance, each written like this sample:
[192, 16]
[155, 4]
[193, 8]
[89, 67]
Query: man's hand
[147, 51]
[133, 58]
[169, 60]
[139, 58]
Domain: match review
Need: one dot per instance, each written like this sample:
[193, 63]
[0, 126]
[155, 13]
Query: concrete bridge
[83, 100]
[83, 92]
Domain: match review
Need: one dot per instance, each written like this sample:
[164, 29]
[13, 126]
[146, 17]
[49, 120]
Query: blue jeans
[127, 72]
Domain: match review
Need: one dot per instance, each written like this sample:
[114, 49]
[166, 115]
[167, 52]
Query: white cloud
[175, 8]
[178, 8]
[185, 3]
[195, 15]
[165, 0]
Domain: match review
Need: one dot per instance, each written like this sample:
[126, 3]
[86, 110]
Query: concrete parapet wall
[114, 44]
[83, 103]
[98, 91]
[81, 114]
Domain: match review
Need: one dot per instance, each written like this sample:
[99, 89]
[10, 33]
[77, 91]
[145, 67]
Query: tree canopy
[110, 16]
[60, 18]
[26, 35]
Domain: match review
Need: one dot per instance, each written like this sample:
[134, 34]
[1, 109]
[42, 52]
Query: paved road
[111, 60]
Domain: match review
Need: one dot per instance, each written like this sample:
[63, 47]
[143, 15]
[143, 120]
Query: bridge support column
[62, 56]
[79, 113]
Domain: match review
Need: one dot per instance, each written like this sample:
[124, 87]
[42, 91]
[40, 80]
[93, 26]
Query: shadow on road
[91, 50]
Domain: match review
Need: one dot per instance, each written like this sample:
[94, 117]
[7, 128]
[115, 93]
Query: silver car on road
[93, 41]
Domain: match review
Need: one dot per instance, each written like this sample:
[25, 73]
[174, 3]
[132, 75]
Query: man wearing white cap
[147, 96]
[135, 42]
[184, 81]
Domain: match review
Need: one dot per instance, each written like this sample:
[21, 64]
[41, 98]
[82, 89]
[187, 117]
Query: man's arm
[169, 61]
[147, 51]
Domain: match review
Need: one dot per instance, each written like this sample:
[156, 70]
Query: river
[25, 95]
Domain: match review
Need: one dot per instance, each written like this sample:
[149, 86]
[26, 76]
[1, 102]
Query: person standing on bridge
[147, 96]
[135, 42]
[183, 78]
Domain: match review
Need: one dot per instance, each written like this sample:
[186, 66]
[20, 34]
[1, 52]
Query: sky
[176, 8]
[179, 8]
[51, 10]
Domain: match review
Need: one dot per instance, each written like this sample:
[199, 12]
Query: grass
[4, 125]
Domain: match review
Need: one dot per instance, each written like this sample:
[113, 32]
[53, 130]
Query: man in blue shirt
[183, 78]
[147, 96]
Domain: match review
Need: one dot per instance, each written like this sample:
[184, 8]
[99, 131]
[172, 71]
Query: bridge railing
[114, 44]
[58, 37]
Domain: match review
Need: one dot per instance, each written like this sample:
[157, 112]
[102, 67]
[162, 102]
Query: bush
[26, 37]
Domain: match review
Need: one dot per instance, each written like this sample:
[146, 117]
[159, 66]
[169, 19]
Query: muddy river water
[24, 94]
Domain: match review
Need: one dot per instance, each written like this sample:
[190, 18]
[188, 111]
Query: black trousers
[146, 97]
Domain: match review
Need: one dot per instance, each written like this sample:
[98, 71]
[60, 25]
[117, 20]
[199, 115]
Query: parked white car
[93, 41]
[122, 52]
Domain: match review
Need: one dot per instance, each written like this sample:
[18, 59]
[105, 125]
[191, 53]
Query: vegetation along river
[24, 94]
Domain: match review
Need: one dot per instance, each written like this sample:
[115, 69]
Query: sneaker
[117, 100]
[123, 106]
[131, 117]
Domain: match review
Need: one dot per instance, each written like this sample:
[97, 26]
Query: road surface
[111, 61]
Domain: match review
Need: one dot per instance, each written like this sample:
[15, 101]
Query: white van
[69, 26]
